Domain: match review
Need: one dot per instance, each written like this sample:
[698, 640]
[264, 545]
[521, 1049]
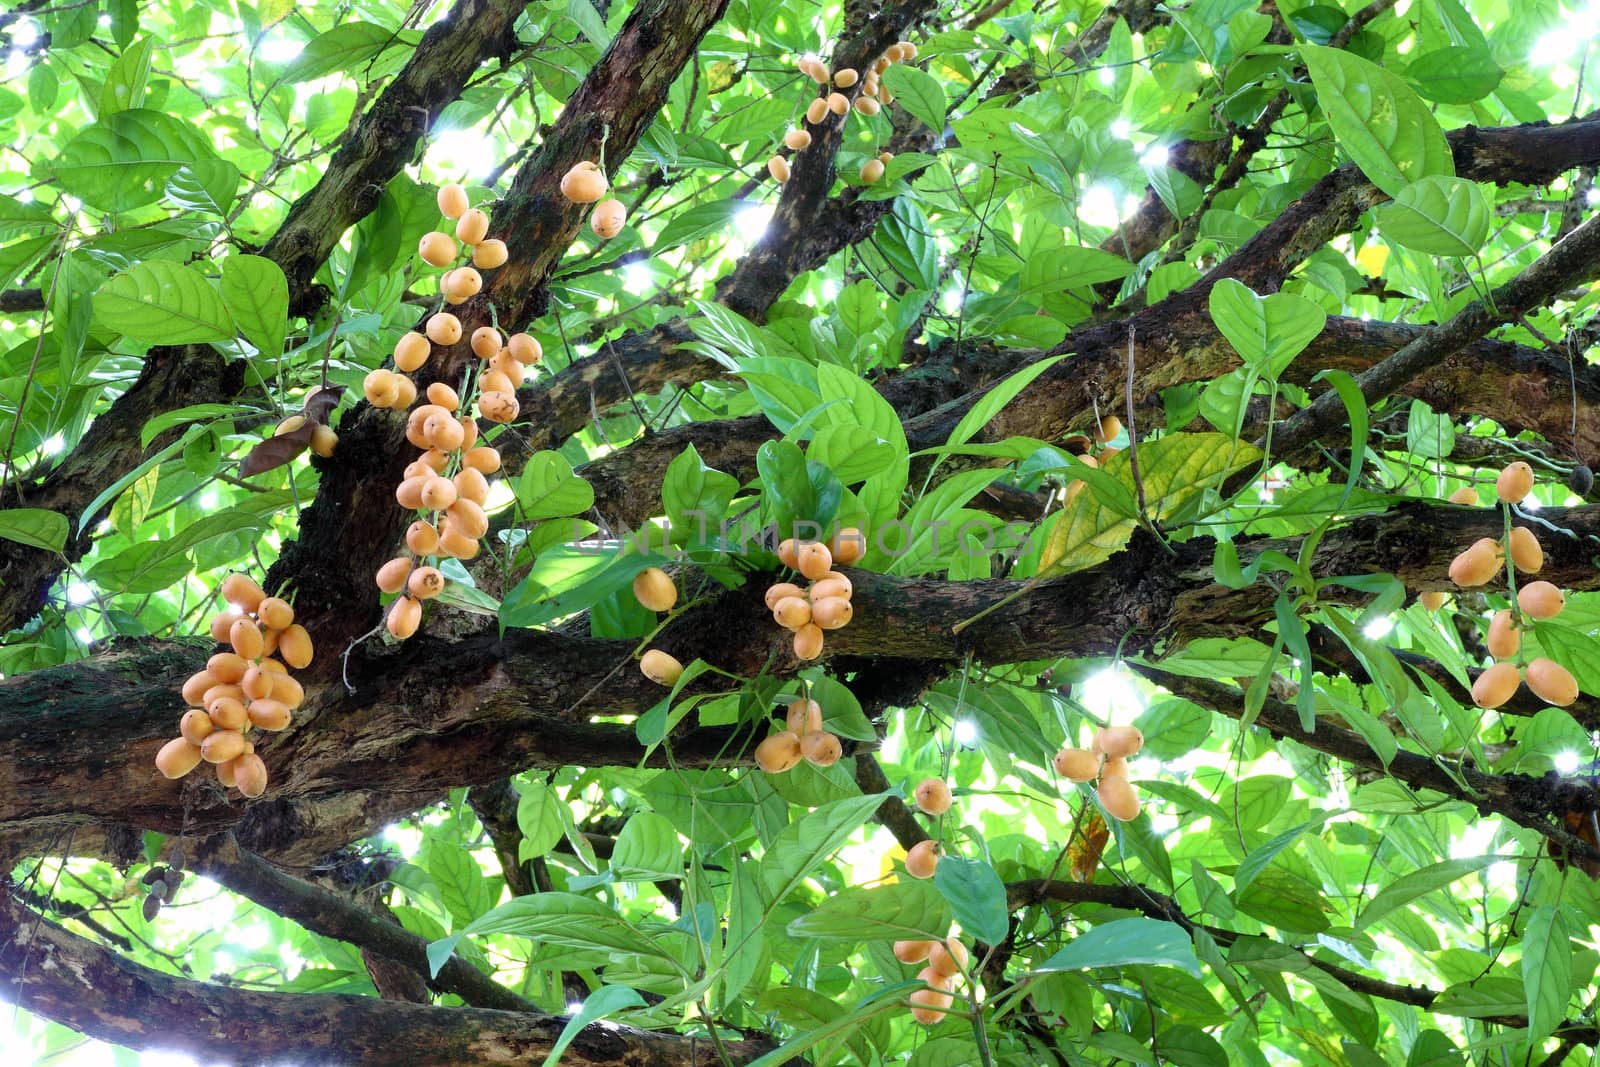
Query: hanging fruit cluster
[801, 738]
[240, 690]
[1106, 758]
[586, 183]
[1477, 565]
[871, 97]
[1106, 432]
[946, 963]
[825, 605]
[653, 588]
[932, 797]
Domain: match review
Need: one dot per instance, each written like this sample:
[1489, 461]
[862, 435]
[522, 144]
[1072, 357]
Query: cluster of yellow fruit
[240, 690]
[946, 962]
[871, 96]
[1106, 758]
[1110, 426]
[654, 589]
[505, 360]
[1477, 565]
[825, 605]
[323, 437]
[932, 797]
[801, 738]
[584, 184]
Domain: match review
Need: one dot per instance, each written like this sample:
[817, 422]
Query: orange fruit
[525, 349]
[489, 254]
[831, 613]
[821, 748]
[816, 111]
[227, 713]
[584, 183]
[472, 227]
[483, 459]
[1119, 797]
[194, 689]
[221, 746]
[799, 140]
[391, 577]
[425, 583]
[808, 641]
[1541, 600]
[443, 328]
[1551, 682]
[404, 616]
[792, 613]
[1496, 685]
[1432, 601]
[933, 796]
[295, 647]
[1474, 566]
[1465, 495]
[195, 726]
[922, 858]
[242, 591]
[608, 218]
[486, 343]
[269, 714]
[814, 560]
[1117, 742]
[452, 200]
[654, 589]
[227, 667]
[422, 539]
[660, 667]
[803, 716]
[471, 485]
[250, 775]
[948, 958]
[847, 546]
[1077, 764]
[1525, 550]
[1505, 640]
[436, 249]
[1514, 483]
[177, 758]
[781, 591]
[245, 636]
[779, 752]
[778, 167]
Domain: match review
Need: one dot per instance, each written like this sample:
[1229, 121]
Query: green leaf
[589, 21]
[1546, 969]
[158, 425]
[1437, 216]
[907, 910]
[1261, 857]
[1409, 887]
[122, 161]
[993, 400]
[348, 47]
[602, 1003]
[920, 93]
[548, 489]
[206, 185]
[802, 845]
[1123, 942]
[977, 897]
[1388, 131]
[1267, 332]
[538, 817]
[565, 920]
[1355, 406]
[1455, 74]
[647, 849]
[38, 527]
[1429, 434]
[1054, 270]
[1485, 998]
[696, 222]
[256, 294]
[570, 578]
[162, 303]
[125, 81]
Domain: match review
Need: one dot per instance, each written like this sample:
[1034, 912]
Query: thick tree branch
[60, 976]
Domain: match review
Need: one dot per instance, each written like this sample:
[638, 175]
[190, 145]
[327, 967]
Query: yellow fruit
[1551, 682]
[487, 255]
[1077, 764]
[471, 485]
[242, 591]
[381, 388]
[405, 391]
[225, 774]
[1505, 640]
[525, 349]
[1514, 483]
[948, 958]
[834, 585]
[1465, 495]
[792, 613]
[391, 577]
[1474, 566]
[1541, 600]
[831, 613]
[227, 713]
[933, 796]
[813, 68]
[323, 441]
[455, 544]
[782, 591]
[813, 560]
[250, 775]
[789, 553]
[222, 623]
[1107, 431]
[912, 951]
[416, 427]
[929, 1006]
[779, 752]
[425, 583]
[1496, 685]
[257, 683]
[220, 692]
[486, 342]
[461, 284]
[438, 492]
[660, 667]
[452, 200]
[1117, 742]
[177, 758]
[838, 103]
[484, 459]
[273, 666]
[222, 746]
[885, 158]
[871, 171]
[411, 351]
[908, 51]
[443, 328]
[804, 716]
[289, 425]
[654, 588]
[894, 53]
[867, 104]
[799, 140]
[778, 167]
[295, 647]
[608, 218]
[922, 858]
[404, 616]
[847, 546]
[408, 494]
[195, 688]
[287, 691]
[269, 714]
[227, 667]
[1119, 797]
[245, 636]
[584, 183]
[808, 641]
[816, 111]
[442, 431]
[498, 407]
[437, 249]
[821, 748]
[1526, 552]
[846, 77]
[1432, 601]
[195, 726]
[467, 517]
[472, 227]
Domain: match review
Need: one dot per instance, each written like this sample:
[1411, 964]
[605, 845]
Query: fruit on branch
[443, 328]
[808, 641]
[654, 589]
[608, 218]
[813, 68]
[803, 716]
[1540, 600]
[799, 140]
[584, 183]
[839, 104]
[525, 349]
[437, 249]
[1476, 565]
[489, 254]
[472, 227]
[1504, 640]
[452, 201]
[1496, 685]
[821, 748]
[1514, 483]
[868, 105]
[1117, 742]
[922, 859]
[783, 591]
[1551, 682]
[1465, 495]
[324, 440]
[1077, 764]
[912, 951]
[871, 171]
[847, 546]
[778, 167]
[929, 1006]
[816, 111]
[933, 796]
[660, 667]
[779, 753]
[846, 77]
[813, 560]
[1432, 600]
[404, 616]
[1525, 550]
[1118, 795]
[178, 757]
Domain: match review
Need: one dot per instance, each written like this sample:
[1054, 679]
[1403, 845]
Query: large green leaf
[805, 843]
[1378, 119]
[977, 897]
[1438, 216]
[1455, 74]
[901, 911]
[1266, 331]
[920, 93]
[548, 489]
[1125, 942]
[1546, 968]
[256, 294]
[352, 47]
[38, 527]
[126, 80]
[162, 303]
[1409, 887]
[123, 161]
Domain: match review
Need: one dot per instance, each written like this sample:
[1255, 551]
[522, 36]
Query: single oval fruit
[289, 425]
[443, 431]
[228, 713]
[1514, 483]
[222, 624]
[834, 585]
[1118, 742]
[177, 758]
[779, 752]
[408, 494]
[1551, 682]
[1107, 431]
[222, 746]
[838, 103]
[461, 284]
[847, 546]
[813, 560]
[257, 683]
[778, 167]
[525, 349]
[808, 641]
[404, 616]
[221, 692]
[789, 553]
[227, 667]
[438, 492]
[1077, 764]
[929, 1006]
[425, 583]
[411, 351]
[455, 544]
[484, 459]
[195, 726]
[803, 716]
[933, 796]
[295, 647]
[225, 774]
[912, 951]
[781, 591]
[471, 485]
[443, 328]
[1541, 600]
[382, 388]
[792, 613]
[417, 422]
[867, 104]
[269, 714]
[1432, 600]
[241, 590]
[660, 667]
[922, 858]
[405, 391]
[1465, 495]
[422, 539]
[245, 637]
[1505, 640]
[1496, 685]
[250, 775]
[846, 77]
[871, 171]
[799, 140]
[654, 589]
[831, 613]
[194, 690]
[608, 218]
[323, 441]
[288, 691]
[437, 249]
[948, 958]
[1474, 566]
[821, 748]
[584, 183]
[1525, 550]
[472, 227]
[498, 407]
[452, 200]
[391, 577]
[486, 343]
[1119, 797]
[489, 254]
[816, 111]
